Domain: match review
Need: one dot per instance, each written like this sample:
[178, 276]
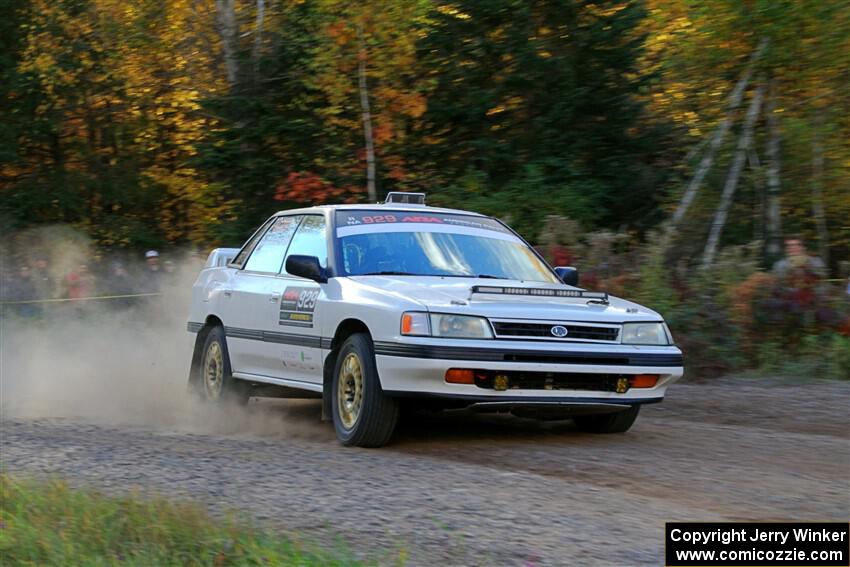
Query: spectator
[80, 283]
[797, 263]
[800, 280]
[22, 288]
[152, 279]
[118, 280]
[45, 286]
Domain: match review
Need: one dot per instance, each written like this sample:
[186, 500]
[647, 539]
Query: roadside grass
[49, 523]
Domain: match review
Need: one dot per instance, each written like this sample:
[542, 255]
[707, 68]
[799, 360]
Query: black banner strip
[533, 356]
[801, 544]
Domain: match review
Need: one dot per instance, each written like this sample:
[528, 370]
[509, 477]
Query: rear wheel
[618, 422]
[216, 383]
[363, 415]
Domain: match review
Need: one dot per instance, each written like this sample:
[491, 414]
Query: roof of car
[381, 207]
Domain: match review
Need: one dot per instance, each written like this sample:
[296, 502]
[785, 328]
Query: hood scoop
[599, 297]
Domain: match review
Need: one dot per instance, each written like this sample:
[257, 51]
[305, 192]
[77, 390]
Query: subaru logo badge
[559, 331]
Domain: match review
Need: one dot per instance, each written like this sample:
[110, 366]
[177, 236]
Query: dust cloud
[120, 362]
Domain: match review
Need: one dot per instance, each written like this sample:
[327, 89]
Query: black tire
[224, 389]
[373, 422]
[618, 422]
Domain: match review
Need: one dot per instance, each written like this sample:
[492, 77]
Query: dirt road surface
[476, 490]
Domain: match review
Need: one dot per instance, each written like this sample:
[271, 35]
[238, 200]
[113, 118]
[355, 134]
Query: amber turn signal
[406, 323]
[644, 381]
[460, 376]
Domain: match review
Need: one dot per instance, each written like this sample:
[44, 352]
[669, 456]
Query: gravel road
[477, 490]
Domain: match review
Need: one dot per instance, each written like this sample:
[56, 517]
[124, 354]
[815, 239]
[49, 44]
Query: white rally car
[369, 306]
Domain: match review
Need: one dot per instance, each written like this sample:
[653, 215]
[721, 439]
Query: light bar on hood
[542, 292]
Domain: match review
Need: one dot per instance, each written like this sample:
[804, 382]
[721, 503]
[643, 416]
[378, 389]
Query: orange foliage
[307, 187]
[744, 297]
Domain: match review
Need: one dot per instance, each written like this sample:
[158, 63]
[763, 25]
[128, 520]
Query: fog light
[644, 381]
[500, 382]
[622, 385]
[460, 376]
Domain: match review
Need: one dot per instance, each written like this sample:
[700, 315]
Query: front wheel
[363, 415]
[618, 422]
[216, 383]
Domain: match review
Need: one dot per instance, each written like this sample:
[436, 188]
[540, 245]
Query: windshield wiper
[386, 273]
[491, 277]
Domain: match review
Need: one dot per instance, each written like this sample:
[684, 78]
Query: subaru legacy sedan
[377, 307]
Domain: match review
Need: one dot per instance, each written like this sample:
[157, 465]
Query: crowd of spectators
[27, 287]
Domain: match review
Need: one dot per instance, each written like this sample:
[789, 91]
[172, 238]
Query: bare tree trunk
[716, 140]
[817, 190]
[258, 35]
[732, 178]
[758, 216]
[228, 30]
[773, 216]
[367, 121]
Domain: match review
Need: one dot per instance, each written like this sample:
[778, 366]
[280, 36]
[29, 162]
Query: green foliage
[523, 104]
[119, 120]
[725, 319]
[817, 356]
[52, 524]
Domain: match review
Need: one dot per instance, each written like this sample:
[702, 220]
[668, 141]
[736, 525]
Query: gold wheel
[213, 371]
[349, 397]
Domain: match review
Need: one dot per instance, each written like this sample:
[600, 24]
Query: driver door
[301, 317]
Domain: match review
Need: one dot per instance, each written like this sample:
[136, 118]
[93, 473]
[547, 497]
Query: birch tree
[228, 31]
[363, 88]
[818, 210]
[717, 139]
[773, 218]
[732, 178]
[366, 66]
[258, 36]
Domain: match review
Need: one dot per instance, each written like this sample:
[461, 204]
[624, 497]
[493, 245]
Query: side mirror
[306, 267]
[568, 275]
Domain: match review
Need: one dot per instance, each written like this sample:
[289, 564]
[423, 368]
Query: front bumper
[418, 369]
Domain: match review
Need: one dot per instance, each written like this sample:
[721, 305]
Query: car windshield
[429, 244]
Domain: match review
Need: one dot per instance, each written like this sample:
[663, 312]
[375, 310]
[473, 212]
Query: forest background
[668, 148]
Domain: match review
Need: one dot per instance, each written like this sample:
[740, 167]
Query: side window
[240, 258]
[269, 252]
[311, 239]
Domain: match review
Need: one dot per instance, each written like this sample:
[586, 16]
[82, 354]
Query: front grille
[516, 329]
[521, 380]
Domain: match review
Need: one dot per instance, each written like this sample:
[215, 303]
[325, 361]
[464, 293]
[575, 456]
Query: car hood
[454, 295]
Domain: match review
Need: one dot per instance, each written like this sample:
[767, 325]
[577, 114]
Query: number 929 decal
[297, 305]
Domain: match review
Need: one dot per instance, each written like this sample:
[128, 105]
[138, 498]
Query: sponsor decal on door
[297, 305]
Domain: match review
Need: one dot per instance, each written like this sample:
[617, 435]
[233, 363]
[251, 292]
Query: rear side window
[311, 239]
[269, 252]
[243, 254]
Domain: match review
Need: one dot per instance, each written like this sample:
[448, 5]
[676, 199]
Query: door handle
[228, 292]
[274, 297]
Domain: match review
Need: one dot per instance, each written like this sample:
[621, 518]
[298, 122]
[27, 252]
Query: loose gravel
[477, 490]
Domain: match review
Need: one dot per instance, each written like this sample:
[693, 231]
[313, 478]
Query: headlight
[445, 325]
[645, 334]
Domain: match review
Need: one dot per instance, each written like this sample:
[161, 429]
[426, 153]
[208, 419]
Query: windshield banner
[363, 222]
